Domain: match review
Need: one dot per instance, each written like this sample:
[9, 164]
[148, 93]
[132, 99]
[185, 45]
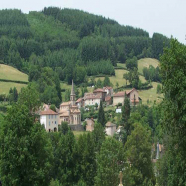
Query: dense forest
[72, 42]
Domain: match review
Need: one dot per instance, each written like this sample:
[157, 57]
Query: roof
[107, 88]
[65, 103]
[93, 97]
[79, 100]
[48, 112]
[99, 90]
[64, 114]
[121, 94]
[109, 124]
[75, 111]
[108, 98]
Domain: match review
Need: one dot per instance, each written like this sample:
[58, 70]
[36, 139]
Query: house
[108, 100]
[101, 93]
[69, 111]
[90, 99]
[110, 128]
[108, 90]
[90, 125]
[131, 94]
[80, 103]
[49, 119]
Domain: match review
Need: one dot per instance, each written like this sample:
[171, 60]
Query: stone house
[100, 92]
[108, 90]
[90, 125]
[110, 128]
[90, 99]
[133, 96]
[49, 119]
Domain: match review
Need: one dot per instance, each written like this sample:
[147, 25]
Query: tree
[173, 74]
[64, 128]
[132, 63]
[98, 136]
[13, 95]
[87, 159]
[99, 83]
[117, 85]
[126, 113]
[53, 107]
[101, 115]
[106, 81]
[158, 89]
[126, 77]
[21, 161]
[138, 153]
[110, 161]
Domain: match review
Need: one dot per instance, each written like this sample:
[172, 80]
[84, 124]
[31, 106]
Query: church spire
[72, 89]
[72, 95]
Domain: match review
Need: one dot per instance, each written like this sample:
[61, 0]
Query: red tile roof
[48, 112]
[107, 88]
[121, 94]
[108, 98]
[99, 90]
[79, 100]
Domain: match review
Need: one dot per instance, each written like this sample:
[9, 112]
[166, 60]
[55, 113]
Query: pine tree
[101, 115]
[126, 112]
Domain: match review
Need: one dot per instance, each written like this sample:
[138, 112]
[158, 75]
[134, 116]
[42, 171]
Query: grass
[117, 78]
[5, 87]
[78, 133]
[146, 62]
[11, 73]
[151, 95]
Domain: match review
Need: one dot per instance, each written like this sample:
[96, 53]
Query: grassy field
[78, 133]
[151, 95]
[5, 87]
[11, 73]
[146, 62]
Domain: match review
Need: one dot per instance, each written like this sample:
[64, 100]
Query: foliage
[174, 85]
[101, 115]
[138, 153]
[20, 140]
[152, 74]
[110, 161]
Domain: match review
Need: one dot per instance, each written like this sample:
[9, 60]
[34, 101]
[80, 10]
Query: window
[55, 116]
[55, 122]
[49, 116]
[49, 123]
[52, 116]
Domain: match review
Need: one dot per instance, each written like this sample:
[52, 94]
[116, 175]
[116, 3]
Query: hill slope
[11, 73]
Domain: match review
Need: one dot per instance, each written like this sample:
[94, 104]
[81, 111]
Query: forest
[75, 44]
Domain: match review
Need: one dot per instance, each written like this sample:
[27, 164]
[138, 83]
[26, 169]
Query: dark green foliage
[13, 95]
[132, 63]
[21, 161]
[158, 89]
[53, 107]
[106, 81]
[87, 159]
[152, 74]
[158, 43]
[133, 78]
[138, 153]
[101, 115]
[63, 128]
[173, 72]
[110, 161]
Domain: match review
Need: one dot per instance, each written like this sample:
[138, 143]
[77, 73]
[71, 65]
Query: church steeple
[72, 95]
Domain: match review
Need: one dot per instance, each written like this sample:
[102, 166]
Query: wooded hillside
[72, 42]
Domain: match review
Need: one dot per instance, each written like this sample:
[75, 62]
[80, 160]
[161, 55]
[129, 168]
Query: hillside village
[70, 111]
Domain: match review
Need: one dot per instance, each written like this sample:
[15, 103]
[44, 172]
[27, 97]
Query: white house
[49, 119]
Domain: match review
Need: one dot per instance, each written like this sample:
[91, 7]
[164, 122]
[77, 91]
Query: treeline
[66, 39]
[93, 159]
[152, 73]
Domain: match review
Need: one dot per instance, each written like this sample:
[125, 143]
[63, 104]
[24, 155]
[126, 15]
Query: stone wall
[76, 127]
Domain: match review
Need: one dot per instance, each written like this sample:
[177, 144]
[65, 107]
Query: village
[70, 111]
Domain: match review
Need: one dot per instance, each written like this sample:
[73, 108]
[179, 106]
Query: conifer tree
[101, 115]
[126, 111]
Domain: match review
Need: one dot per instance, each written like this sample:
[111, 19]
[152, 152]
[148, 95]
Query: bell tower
[72, 95]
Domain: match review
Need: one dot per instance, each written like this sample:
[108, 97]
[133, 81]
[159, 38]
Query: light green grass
[151, 95]
[11, 73]
[123, 65]
[78, 133]
[117, 78]
[5, 87]
[65, 86]
[146, 62]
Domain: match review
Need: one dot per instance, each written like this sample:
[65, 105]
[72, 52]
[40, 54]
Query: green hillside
[11, 73]
[146, 62]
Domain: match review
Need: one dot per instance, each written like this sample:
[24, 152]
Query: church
[69, 111]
